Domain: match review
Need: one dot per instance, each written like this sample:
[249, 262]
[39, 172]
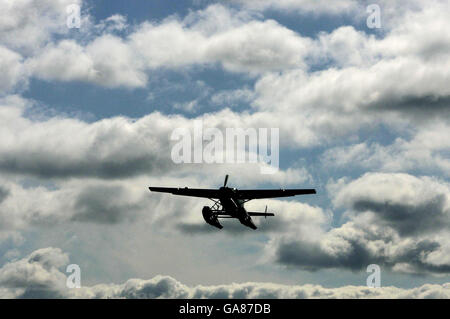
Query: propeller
[265, 212]
[226, 180]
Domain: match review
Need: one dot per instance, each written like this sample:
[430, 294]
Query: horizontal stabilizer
[260, 214]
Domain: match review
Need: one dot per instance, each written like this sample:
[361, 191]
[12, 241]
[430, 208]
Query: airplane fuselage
[235, 207]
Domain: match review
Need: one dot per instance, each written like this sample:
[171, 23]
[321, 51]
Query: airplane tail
[260, 214]
[265, 214]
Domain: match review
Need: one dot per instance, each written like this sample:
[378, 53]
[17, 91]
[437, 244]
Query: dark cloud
[40, 292]
[312, 257]
[62, 147]
[397, 221]
[3, 194]
[53, 167]
[426, 103]
[409, 219]
[419, 107]
[357, 256]
[104, 205]
[416, 255]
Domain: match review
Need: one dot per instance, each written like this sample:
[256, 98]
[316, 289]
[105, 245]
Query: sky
[87, 111]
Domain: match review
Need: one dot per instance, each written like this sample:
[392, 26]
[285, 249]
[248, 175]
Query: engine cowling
[210, 217]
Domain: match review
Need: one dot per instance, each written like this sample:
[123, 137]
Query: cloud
[352, 247]
[167, 287]
[38, 276]
[106, 61]
[364, 80]
[26, 25]
[373, 80]
[69, 147]
[114, 23]
[303, 6]
[432, 213]
[119, 147]
[388, 85]
[35, 276]
[397, 221]
[424, 152]
[319, 90]
[13, 73]
[106, 205]
[409, 204]
[393, 75]
[70, 202]
[3, 194]
[356, 9]
[236, 43]
[99, 172]
[219, 35]
[230, 98]
[127, 201]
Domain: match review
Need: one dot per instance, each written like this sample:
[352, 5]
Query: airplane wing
[272, 193]
[195, 192]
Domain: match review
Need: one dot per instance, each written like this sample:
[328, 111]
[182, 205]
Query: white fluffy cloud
[13, 72]
[107, 61]
[374, 79]
[425, 152]
[26, 25]
[400, 76]
[237, 44]
[39, 275]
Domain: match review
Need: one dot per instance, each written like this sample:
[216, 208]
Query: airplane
[229, 202]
